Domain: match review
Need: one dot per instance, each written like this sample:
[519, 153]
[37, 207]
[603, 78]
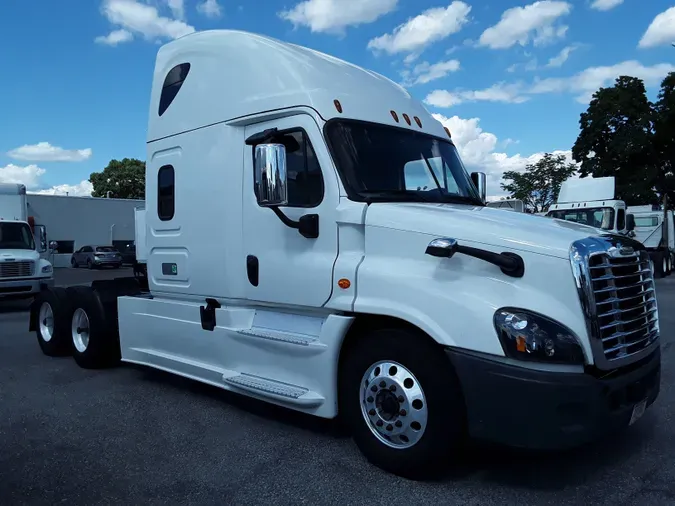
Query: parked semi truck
[654, 229]
[23, 272]
[590, 201]
[291, 259]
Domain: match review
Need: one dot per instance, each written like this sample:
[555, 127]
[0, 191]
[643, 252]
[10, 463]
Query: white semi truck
[590, 201]
[290, 259]
[654, 229]
[23, 272]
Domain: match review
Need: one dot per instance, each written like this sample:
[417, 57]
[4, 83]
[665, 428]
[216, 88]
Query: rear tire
[53, 313]
[662, 261]
[90, 265]
[411, 425]
[94, 344]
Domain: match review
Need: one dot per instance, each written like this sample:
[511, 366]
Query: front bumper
[528, 408]
[20, 288]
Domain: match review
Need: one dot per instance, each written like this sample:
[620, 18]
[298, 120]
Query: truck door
[287, 267]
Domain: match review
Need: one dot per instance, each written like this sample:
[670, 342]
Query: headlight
[533, 337]
[47, 269]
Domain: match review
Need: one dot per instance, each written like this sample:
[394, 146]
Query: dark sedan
[97, 256]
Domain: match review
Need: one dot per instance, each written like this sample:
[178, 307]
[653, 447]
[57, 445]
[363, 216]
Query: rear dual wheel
[95, 344]
[402, 403]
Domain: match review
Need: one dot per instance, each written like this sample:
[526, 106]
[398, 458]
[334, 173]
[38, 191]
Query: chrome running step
[275, 389]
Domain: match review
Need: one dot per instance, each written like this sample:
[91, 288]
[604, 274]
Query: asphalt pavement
[135, 436]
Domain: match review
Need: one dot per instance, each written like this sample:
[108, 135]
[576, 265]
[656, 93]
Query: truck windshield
[16, 236]
[598, 217]
[383, 163]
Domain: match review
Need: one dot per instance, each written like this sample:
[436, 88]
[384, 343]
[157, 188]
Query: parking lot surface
[135, 436]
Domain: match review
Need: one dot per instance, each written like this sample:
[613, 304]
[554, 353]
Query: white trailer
[23, 273]
[291, 259]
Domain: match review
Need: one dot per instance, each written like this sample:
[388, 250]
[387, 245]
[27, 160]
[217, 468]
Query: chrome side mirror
[269, 175]
[480, 182]
[53, 245]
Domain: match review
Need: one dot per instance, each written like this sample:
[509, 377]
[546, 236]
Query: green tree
[539, 184]
[615, 139]
[664, 138]
[124, 179]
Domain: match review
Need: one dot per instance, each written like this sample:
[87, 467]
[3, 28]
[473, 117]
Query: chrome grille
[625, 303]
[615, 282]
[14, 269]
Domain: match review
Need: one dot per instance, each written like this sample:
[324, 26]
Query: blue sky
[509, 77]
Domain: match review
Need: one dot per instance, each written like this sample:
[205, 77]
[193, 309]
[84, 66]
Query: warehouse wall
[78, 221]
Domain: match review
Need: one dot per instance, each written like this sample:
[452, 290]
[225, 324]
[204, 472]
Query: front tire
[53, 322]
[73, 263]
[402, 403]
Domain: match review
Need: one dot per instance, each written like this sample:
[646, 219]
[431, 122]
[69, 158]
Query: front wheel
[402, 403]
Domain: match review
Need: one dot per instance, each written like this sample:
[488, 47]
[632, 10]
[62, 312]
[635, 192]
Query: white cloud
[477, 149]
[45, 152]
[82, 189]
[560, 58]
[661, 31]
[605, 5]
[426, 72]
[333, 16]
[588, 81]
[177, 8]
[417, 33]
[532, 23]
[138, 18]
[500, 92]
[210, 8]
[28, 175]
[582, 84]
[115, 37]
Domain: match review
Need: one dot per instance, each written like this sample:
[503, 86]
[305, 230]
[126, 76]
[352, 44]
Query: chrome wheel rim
[46, 320]
[393, 404]
[80, 330]
[665, 265]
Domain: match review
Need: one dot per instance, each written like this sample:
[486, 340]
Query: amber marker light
[344, 283]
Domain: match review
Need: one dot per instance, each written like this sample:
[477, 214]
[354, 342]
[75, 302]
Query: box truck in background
[23, 271]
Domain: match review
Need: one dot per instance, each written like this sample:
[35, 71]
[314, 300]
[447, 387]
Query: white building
[74, 222]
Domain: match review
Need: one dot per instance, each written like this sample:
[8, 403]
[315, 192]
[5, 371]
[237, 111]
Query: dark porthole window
[166, 191]
[172, 83]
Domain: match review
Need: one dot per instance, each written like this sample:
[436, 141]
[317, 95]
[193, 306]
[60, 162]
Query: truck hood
[503, 229]
[18, 254]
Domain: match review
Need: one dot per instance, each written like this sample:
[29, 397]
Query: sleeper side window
[305, 180]
[166, 193]
[171, 86]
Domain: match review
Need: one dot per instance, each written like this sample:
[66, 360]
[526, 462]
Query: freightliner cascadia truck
[312, 239]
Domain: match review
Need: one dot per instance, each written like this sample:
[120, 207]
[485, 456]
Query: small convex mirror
[270, 175]
[53, 245]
